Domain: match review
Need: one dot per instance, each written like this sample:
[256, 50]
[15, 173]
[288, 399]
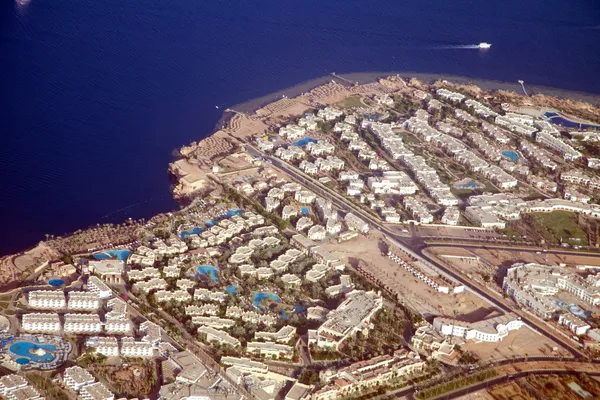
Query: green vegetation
[385, 337]
[407, 137]
[309, 376]
[47, 387]
[456, 384]
[349, 102]
[559, 226]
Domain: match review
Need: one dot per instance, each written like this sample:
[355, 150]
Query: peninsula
[394, 238]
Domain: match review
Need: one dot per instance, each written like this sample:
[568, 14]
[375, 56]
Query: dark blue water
[95, 95]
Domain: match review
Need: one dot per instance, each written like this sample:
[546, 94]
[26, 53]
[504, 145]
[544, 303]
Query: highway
[414, 245]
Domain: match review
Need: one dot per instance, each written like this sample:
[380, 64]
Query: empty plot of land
[524, 341]
[369, 252]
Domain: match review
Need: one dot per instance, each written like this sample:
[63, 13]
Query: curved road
[409, 244]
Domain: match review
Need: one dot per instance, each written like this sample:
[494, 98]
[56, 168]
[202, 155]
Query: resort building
[270, 349]
[106, 345]
[283, 335]
[213, 322]
[96, 286]
[46, 299]
[10, 383]
[356, 224]
[82, 323]
[214, 335]
[83, 301]
[490, 330]
[353, 315]
[41, 322]
[96, 391]
[575, 324]
[132, 348]
[76, 378]
[367, 374]
[116, 320]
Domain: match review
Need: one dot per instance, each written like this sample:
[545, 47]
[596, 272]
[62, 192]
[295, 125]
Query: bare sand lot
[367, 251]
[479, 395]
[519, 343]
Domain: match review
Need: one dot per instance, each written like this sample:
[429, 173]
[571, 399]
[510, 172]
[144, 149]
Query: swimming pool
[258, 297]
[511, 155]
[467, 185]
[562, 121]
[304, 141]
[208, 270]
[232, 290]
[304, 211]
[118, 254]
[37, 352]
[195, 231]
[56, 282]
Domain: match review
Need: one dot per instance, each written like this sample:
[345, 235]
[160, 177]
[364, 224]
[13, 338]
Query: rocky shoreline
[267, 113]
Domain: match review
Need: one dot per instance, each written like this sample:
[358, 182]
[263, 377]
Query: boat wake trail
[457, 47]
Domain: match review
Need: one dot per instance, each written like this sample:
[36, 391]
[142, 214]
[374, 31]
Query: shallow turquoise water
[208, 270]
[258, 297]
[23, 349]
[121, 255]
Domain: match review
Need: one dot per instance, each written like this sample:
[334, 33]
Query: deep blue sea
[96, 95]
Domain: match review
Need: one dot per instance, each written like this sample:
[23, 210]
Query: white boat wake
[480, 46]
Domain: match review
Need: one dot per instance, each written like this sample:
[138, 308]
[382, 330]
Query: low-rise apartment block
[489, 330]
[354, 314]
[41, 322]
[83, 301]
[269, 350]
[82, 323]
[107, 346]
[214, 335]
[76, 378]
[418, 210]
[46, 299]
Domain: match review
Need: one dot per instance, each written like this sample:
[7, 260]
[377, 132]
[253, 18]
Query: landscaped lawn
[348, 102]
[560, 224]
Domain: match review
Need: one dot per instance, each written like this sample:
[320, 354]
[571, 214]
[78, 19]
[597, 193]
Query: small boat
[484, 45]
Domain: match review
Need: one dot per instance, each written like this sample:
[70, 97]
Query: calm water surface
[96, 95]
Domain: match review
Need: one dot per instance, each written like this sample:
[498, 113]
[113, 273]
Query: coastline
[362, 78]
[250, 106]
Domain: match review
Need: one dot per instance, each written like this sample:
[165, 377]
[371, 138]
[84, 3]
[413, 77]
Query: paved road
[414, 245]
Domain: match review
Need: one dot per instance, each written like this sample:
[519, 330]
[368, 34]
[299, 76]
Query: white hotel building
[490, 330]
[83, 301]
[47, 299]
[96, 286]
[41, 322]
[76, 377]
[107, 346]
[132, 348]
[82, 323]
[116, 320]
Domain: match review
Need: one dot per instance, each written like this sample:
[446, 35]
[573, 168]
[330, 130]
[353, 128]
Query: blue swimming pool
[304, 141]
[467, 185]
[208, 270]
[195, 231]
[56, 282]
[511, 155]
[118, 254]
[232, 290]
[27, 350]
[234, 211]
[304, 211]
[559, 120]
[258, 297]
